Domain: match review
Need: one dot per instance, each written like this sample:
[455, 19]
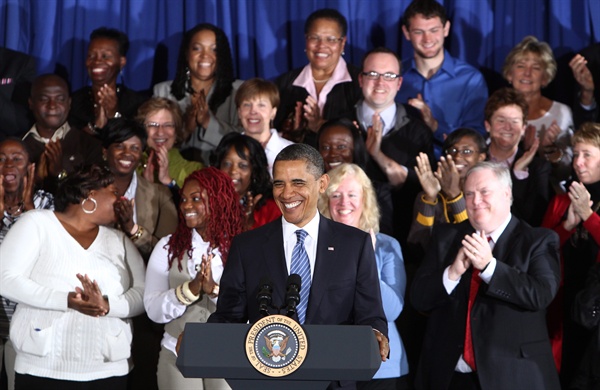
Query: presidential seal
[276, 345]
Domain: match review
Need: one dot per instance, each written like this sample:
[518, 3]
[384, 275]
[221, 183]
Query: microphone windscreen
[295, 279]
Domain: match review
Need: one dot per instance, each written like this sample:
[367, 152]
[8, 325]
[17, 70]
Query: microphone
[264, 296]
[292, 293]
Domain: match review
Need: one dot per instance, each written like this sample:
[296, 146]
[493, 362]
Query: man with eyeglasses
[55, 147]
[394, 138]
[449, 93]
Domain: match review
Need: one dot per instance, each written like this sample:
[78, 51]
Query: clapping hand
[580, 208]
[88, 298]
[312, 114]
[429, 182]
[419, 104]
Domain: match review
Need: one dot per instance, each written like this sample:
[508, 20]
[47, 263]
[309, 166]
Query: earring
[188, 74]
[104, 157]
[343, 52]
[91, 200]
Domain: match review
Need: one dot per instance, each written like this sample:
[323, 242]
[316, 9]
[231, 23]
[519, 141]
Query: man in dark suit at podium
[341, 278]
[486, 283]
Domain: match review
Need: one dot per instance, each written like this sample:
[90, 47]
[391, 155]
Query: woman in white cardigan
[76, 282]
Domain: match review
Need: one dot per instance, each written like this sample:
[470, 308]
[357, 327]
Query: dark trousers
[28, 382]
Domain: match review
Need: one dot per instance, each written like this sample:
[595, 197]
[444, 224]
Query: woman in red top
[574, 217]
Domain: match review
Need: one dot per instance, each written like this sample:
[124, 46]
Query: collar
[59, 134]
[495, 235]
[388, 116]
[448, 65]
[312, 227]
[508, 162]
[130, 192]
[305, 80]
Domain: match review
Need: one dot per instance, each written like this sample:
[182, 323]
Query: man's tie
[468, 353]
[301, 266]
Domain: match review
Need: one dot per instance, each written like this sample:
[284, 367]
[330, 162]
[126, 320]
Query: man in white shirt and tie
[343, 282]
[486, 283]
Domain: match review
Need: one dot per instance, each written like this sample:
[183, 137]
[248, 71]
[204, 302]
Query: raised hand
[374, 136]
[249, 207]
[550, 134]
[448, 176]
[124, 212]
[430, 184]
[523, 162]
[107, 99]
[88, 298]
[28, 185]
[208, 283]
[53, 154]
[419, 104]
[149, 169]
[477, 249]
[584, 78]
[580, 200]
[312, 114]
[162, 160]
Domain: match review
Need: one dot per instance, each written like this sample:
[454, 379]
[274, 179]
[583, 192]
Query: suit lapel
[508, 239]
[146, 213]
[274, 258]
[324, 266]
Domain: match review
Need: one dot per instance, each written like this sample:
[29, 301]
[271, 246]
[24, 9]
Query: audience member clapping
[204, 87]
[505, 120]
[77, 283]
[257, 101]
[529, 67]
[326, 88]
[442, 199]
[185, 268]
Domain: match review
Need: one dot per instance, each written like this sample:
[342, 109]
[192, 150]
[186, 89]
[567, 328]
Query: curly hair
[224, 70]
[225, 211]
[369, 218]
[250, 150]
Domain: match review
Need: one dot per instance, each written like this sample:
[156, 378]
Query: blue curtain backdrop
[267, 35]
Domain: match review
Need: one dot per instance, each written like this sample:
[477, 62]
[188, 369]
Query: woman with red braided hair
[185, 267]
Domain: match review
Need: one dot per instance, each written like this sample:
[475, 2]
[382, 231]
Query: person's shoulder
[162, 89]
[237, 83]
[287, 78]
[253, 236]
[348, 232]
[152, 188]
[560, 108]
[531, 234]
[81, 94]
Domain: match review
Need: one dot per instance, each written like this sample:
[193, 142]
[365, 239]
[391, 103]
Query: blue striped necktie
[301, 266]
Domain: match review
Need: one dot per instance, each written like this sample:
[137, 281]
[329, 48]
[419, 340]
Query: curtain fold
[267, 36]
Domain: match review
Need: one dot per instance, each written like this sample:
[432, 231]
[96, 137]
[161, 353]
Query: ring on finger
[576, 196]
[475, 252]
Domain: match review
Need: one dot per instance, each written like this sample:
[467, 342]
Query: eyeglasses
[454, 152]
[387, 76]
[315, 40]
[155, 126]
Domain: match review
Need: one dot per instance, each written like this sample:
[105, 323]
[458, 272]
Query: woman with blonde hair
[529, 67]
[350, 199]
